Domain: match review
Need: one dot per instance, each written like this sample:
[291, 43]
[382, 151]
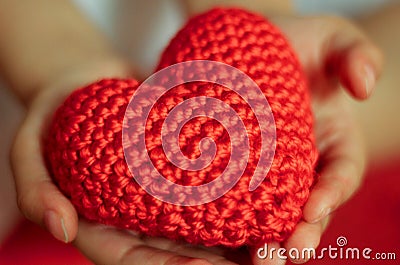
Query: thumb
[38, 197]
[353, 58]
[333, 48]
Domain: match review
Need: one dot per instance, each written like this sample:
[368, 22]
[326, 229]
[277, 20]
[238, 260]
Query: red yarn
[86, 159]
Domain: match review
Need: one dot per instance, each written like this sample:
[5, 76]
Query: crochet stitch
[85, 156]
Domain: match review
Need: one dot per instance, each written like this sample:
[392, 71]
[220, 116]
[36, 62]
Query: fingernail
[369, 79]
[324, 213]
[55, 225]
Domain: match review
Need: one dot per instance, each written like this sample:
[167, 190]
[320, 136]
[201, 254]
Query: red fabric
[85, 155]
[31, 245]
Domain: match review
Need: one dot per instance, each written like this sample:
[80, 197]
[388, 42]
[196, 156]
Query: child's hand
[40, 200]
[330, 49]
[38, 197]
[333, 51]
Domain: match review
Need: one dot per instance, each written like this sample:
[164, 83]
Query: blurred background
[370, 219]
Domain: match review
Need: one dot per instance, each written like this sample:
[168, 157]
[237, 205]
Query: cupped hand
[336, 57]
[40, 200]
[332, 51]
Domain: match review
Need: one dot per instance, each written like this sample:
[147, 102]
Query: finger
[124, 247]
[38, 198]
[332, 48]
[305, 239]
[267, 255]
[353, 58]
[342, 165]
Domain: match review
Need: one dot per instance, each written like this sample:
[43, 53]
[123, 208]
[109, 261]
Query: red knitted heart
[85, 155]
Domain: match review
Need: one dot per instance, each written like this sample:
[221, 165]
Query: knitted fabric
[85, 156]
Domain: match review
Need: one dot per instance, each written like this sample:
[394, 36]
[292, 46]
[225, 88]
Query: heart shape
[85, 151]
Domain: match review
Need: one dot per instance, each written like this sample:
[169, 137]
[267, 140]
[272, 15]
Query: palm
[126, 247]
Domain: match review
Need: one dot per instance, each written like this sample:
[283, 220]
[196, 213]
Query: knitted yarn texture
[84, 144]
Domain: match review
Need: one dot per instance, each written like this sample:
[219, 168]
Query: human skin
[56, 74]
